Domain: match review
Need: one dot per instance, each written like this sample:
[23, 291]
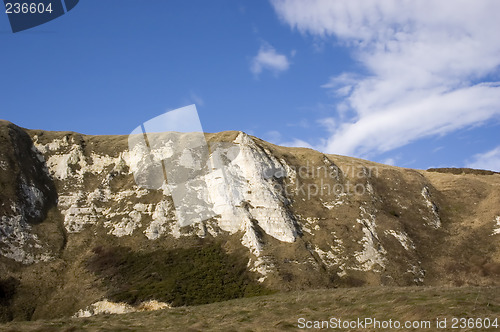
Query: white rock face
[81, 209]
[251, 240]
[19, 243]
[33, 199]
[418, 273]
[158, 226]
[127, 225]
[436, 220]
[74, 164]
[403, 238]
[240, 191]
[240, 194]
[51, 146]
[497, 230]
[262, 267]
[335, 256]
[372, 255]
[17, 240]
[108, 307]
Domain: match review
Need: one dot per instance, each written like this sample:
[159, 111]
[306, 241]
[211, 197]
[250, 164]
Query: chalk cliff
[296, 217]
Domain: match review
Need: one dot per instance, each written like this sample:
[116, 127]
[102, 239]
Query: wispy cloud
[197, 99]
[296, 143]
[268, 58]
[489, 160]
[303, 123]
[193, 98]
[389, 161]
[427, 63]
[275, 137]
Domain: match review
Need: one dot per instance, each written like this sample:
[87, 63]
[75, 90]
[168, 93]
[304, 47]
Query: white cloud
[425, 61]
[296, 143]
[196, 99]
[401, 122]
[268, 58]
[303, 123]
[275, 137]
[489, 160]
[389, 161]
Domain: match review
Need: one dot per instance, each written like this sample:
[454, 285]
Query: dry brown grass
[281, 311]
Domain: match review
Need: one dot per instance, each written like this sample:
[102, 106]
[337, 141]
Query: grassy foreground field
[282, 311]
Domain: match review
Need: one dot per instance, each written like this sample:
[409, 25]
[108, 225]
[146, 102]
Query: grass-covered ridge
[182, 276]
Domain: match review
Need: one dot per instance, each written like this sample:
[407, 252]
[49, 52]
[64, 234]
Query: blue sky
[414, 84]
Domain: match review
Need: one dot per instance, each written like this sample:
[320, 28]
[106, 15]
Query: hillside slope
[76, 228]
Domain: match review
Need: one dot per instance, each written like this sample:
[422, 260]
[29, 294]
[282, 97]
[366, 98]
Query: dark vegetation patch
[24, 169]
[182, 276]
[459, 171]
[8, 288]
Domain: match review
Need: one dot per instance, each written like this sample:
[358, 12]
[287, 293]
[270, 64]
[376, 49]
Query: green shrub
[186, 276]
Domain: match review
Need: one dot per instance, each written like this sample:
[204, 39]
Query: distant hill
[453, 170]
